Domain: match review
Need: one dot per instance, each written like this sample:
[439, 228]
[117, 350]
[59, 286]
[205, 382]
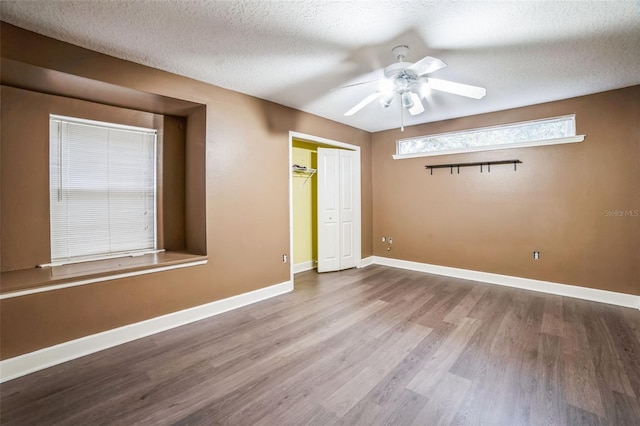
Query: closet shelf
[302, 170]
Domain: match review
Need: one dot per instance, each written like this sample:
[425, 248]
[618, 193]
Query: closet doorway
[324, 204]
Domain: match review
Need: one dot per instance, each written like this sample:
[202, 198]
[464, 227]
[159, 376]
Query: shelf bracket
[304, 171]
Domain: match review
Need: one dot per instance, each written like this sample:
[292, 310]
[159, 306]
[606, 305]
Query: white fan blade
[354, 84]
[366, 101]
[474, 92]
[426, 65]
[417, 107]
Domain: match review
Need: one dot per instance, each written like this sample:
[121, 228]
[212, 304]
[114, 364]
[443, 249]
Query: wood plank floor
[377, 346]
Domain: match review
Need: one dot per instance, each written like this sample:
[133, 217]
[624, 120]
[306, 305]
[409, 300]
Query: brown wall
[247, 214]
[555, 202]
[171, 180]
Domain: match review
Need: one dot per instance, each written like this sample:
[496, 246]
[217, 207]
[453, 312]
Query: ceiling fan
[409, 82]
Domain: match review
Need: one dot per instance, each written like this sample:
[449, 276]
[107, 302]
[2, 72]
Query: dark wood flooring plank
[327, 376]
[284, 333]
[482, 401]
[321, 417]
[443, 305]
[297, 396]
[232, 372]
[610, 373]
[402, 409]
[626, 344]
[365, 412]
[54, 407]
[426, 379]
[552, 322]
[633, 320]
[312, 288]
[443, 405]
[516, 344]
[465, 306]
[526, 360]
[390, 317]
[218, 386]
[97, 370]
[548, 403]
[489, 313]
[580, 382]
[392, 386]
[334, 370]
[626, 411]
[521, 324]
[395, 348]
[503, 367]
[578, 417]
[250, 402]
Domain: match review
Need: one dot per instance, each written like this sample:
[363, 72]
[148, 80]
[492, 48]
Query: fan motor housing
[397, 69]
[402, 78]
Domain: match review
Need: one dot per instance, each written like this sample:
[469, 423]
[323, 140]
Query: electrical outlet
[284, 258]
[384, 239]
[536, 255]
[390, 240]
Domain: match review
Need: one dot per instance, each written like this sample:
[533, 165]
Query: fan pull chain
[401, 119]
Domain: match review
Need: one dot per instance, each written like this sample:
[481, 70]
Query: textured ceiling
[295, 52]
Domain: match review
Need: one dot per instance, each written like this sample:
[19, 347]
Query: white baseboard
[28, 363]
[303, 266]
[367, 261]
[603, 296]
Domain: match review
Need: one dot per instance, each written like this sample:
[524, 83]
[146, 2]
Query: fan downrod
[400, 52]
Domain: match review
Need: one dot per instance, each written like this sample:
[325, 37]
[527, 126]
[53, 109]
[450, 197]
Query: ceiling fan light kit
[407, 102]
[385, 101]
[409, 81]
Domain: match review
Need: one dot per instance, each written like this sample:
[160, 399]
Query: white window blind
[102, 180]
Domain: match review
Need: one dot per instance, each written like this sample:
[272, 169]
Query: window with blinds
[102, 180]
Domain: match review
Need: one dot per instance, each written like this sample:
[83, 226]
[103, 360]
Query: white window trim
[527, 144]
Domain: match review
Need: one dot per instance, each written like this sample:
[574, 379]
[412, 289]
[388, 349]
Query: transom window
[102, 181]
[530, 133]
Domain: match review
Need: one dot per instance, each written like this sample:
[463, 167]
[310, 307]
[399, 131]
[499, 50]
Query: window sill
[37, 280]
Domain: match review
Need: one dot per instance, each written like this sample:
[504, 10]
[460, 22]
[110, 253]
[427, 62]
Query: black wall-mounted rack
[480, 163]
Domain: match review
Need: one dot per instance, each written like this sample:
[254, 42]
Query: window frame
[114, 255]
[525, 144]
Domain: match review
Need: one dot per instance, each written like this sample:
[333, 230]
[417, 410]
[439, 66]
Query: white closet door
[349, 169]
[336, 209]
[328, 209]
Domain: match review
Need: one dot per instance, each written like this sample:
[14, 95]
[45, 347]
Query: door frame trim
[357, 193]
